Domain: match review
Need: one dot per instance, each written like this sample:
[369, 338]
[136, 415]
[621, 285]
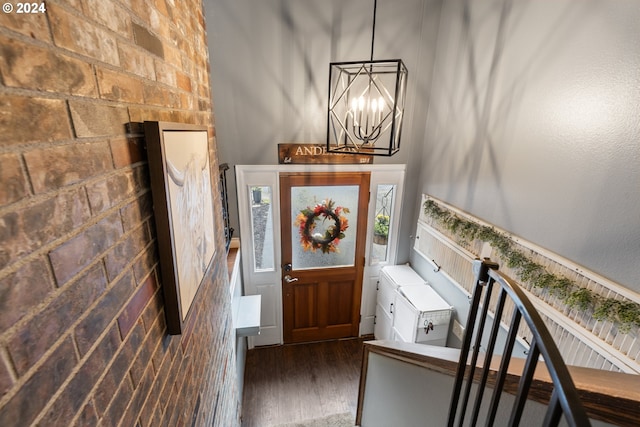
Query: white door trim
[268, 282]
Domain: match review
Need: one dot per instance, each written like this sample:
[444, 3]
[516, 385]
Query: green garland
[624, 313]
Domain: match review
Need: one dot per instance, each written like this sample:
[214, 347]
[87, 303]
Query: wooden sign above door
[316, 153]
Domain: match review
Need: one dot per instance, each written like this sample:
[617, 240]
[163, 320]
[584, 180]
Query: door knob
[290, 279]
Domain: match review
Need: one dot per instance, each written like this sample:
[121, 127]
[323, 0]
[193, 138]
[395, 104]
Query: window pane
[382, 221]
[261, 201]
[317, 240]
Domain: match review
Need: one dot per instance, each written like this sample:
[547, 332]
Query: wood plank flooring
[296, 382]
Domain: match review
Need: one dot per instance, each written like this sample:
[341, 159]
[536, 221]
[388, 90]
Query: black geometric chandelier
[366, 105]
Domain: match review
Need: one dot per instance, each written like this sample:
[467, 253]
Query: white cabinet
[384, 310]
[421, 315]
[409, 310]
[391, 278]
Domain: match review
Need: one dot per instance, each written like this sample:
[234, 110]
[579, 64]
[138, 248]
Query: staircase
[410, 385]
[415, 384]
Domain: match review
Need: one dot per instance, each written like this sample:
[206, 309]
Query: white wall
[534, 125]
[531, 120]
[270, 71]
[398, 393]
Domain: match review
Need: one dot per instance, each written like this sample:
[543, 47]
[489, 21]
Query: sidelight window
[382, 223]
[261, 202]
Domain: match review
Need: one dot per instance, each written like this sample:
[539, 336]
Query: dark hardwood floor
[296, 382]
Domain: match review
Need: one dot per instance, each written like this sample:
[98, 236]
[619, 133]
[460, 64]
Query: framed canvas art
[183, 208]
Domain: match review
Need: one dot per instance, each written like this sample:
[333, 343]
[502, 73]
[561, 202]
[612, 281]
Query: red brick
[185, 46]
[134, 341]
[159, 328]
[119, 371]
[91, 119]
[156, 95]
[80, 36]
[204, 105]
[110, 14]
[161, 5]
[153, 310]
[40, 333]
[23, 290]
[108, 386]
[187, 328]
[53, 168]
[27, 66]
[175, 415]
[165, 73]
[141, 177]
[5, 378]
[145, 263]
[184, 82]
[161, 369]
[80, 251]
[30, 25]
[70, 401]
[140, 9]
[156, 420]
[173, 56]
[134, 308]
[136, 60]
[142, 363]
[110, 191]
[88, 331]
[175, 102]
[29, 119]
[150, 414]
[119, 87]
[188, 397]
[118, 405]
[160, 25]
[187, 101]
[128, 151]
[75, 4]
[125, 252]
[138, 114]
[136, 212]
[27, 403]
[165, 395]
[32, 227]
[85, 33]
[139, 397]
[14, 184]
[88, 416]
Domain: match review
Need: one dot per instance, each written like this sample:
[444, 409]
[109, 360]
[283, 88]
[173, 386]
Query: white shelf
[247, 316]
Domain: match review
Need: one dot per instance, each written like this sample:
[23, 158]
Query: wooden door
[323, 226]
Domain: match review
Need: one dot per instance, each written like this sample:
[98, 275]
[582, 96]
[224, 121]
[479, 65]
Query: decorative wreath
[306, 221]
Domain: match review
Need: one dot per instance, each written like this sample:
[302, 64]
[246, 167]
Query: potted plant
[257, 195]
[381, 229]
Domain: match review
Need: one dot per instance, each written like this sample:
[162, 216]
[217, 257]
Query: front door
[323, 226]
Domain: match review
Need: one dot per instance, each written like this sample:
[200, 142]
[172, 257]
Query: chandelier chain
[373, 27]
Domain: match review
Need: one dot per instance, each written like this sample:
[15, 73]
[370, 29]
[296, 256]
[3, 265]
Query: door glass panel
[260, 200]
[382, 222]
[323, 232]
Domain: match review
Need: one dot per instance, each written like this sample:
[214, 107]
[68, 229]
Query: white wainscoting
[583, 341]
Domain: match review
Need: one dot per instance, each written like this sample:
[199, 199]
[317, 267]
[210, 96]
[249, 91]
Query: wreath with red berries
[306, 223]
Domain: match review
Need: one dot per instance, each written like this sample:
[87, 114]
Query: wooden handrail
[611, 397]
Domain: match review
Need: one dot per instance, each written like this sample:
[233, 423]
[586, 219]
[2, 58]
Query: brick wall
[82, 332]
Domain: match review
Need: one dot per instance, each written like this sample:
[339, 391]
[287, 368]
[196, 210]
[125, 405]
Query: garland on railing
[625, 313]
